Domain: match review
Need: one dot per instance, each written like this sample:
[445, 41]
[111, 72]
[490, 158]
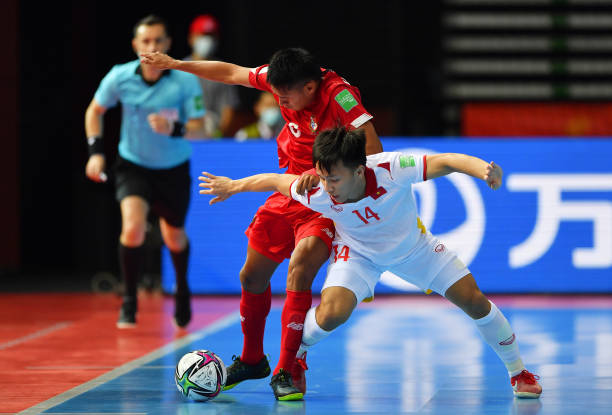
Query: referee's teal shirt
[176, 95]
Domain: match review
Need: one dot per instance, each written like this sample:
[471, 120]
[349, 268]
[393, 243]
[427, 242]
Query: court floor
[61, 354]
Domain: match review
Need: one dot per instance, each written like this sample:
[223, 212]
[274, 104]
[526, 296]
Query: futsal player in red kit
[312, 99]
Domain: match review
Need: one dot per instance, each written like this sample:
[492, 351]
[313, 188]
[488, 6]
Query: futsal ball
[200, 375]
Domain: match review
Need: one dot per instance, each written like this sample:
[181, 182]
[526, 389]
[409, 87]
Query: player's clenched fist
[157, 59]
[95, 168]
[159, 124]
[494, 175]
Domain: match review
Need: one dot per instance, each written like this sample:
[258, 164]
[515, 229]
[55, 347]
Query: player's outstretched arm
[223, 187]
[217, 71]
[446, 163]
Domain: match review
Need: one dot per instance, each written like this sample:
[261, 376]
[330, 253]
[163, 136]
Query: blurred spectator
[269, 120]
[221, 100]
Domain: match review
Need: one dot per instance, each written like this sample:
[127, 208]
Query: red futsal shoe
[525, 385]
[298, 374]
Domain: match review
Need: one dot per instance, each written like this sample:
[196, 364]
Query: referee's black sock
[131, 261]
[180, 260]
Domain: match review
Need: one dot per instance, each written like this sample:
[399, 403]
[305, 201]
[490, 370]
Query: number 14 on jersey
[368, 213]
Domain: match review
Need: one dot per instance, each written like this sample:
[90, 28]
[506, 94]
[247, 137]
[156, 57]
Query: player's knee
[299, 277]
[253, 281]
[176, 242]
[331, 315]
[133, 234]
[478, 305]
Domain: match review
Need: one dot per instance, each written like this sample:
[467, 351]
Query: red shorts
[281, 223]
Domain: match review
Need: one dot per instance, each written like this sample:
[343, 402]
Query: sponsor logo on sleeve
[198, 103]
[407, 161]
[346, 100]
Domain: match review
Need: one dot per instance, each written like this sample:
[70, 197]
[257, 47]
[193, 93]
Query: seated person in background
[270, 121]
[221, 100]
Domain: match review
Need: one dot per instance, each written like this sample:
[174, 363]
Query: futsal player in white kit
[377, 229]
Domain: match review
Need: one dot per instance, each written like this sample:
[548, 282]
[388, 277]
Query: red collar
[372, 188]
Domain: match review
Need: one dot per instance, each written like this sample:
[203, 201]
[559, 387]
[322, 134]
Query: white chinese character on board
[552, 210]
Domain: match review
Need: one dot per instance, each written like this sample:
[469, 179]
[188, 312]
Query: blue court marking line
[134, 364]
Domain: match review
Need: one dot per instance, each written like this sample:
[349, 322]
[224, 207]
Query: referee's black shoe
[127, 314]
[239, 371]
[283, 388]
[182, 310]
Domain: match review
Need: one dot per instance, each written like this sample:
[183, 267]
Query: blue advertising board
[547, 229]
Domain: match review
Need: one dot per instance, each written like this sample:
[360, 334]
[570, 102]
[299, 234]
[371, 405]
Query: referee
[160, 108]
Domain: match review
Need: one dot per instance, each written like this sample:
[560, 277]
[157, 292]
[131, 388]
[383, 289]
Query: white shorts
[430, 266]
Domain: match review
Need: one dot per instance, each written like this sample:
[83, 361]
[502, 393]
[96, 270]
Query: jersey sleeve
[193, 104]
[315, 199]
[258, 78]
[407, 168]
[348, 108]
[107, 94]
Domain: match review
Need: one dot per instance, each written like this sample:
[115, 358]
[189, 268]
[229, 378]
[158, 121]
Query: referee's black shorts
[167, 191]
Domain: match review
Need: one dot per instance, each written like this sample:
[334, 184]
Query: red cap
[204, 24]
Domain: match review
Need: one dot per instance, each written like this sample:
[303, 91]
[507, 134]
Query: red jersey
[337, 103]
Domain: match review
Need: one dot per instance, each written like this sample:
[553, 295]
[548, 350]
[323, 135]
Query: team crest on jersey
[336, 208]
[313, 124]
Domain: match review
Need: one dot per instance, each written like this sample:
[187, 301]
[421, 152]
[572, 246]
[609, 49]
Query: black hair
[337, 144]
[151, 20]
[291, 66]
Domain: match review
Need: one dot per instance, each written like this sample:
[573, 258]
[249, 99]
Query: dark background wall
[58, 222]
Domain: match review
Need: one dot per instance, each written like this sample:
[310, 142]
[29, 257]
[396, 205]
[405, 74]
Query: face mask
[271, 116]
[204, 46]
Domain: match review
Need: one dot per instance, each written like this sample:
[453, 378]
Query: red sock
[254, 309]
[296, 306]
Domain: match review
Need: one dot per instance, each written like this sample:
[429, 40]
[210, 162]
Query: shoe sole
[527, 395]
[126, 325]
[291, 397]
[228, 387]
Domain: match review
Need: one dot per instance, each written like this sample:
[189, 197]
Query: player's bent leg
[255, 303]
[497, 332]
[134, 210]
[337, 305]
[309, 254]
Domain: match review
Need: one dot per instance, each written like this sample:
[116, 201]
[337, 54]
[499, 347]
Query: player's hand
[157, 59]
[95, 168]
[160, 124]
[306, 182]
[219, 186]
[494, 175]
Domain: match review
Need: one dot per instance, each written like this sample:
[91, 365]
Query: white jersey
[383, 226]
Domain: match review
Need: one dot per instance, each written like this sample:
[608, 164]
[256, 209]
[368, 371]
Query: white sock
[312, 334]
[497, 332]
